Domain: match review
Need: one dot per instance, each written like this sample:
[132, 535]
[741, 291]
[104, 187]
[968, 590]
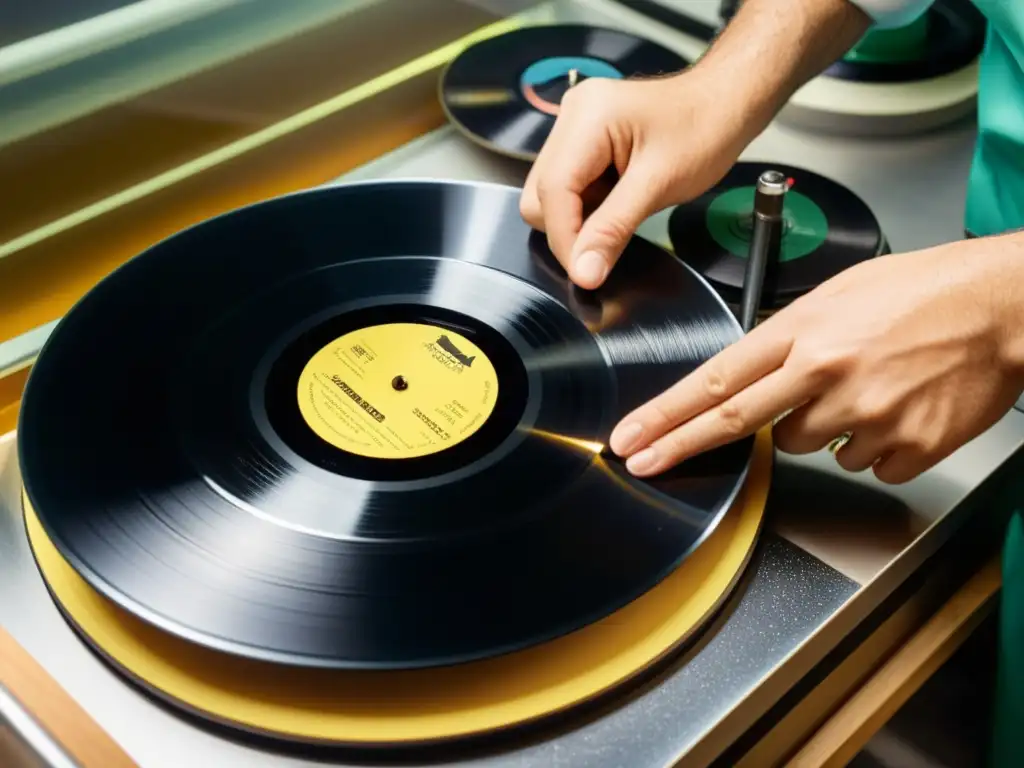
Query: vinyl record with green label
[945, 39]
[826, 229]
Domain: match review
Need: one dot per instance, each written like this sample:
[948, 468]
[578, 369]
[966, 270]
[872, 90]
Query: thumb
[609, 228]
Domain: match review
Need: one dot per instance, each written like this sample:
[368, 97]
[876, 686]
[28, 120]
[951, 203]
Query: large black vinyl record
[362, 427]
[505, 92]
[827, 228]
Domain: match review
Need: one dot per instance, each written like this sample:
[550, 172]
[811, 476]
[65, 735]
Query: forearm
[771, 48]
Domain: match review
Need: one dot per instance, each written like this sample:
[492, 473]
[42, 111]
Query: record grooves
[323, 440]
[397, 708]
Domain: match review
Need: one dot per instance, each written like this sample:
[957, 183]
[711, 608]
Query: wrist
[739, 110]
[999, 263]
[764, 56]
[1009, 295]
[745, 100]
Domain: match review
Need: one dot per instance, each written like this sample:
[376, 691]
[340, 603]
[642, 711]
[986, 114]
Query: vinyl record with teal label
[505, 92]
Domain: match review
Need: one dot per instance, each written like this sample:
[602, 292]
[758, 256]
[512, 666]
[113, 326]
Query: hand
[914, 354]
[669, 140]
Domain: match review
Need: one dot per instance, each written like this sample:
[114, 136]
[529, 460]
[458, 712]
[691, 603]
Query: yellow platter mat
[367, 708]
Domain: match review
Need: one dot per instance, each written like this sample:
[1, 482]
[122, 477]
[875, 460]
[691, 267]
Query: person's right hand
[669, 140]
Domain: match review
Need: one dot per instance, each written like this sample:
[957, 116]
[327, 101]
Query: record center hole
[399, 383]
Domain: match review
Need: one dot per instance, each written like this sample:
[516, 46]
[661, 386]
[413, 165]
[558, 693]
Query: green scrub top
[995, 199]
[995, 204]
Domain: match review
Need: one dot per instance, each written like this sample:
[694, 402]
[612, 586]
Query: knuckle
[927, 444]
[732, 419]
[552, 183]
[611, 229]
[542, 188]
[658, 417]
[716, 384]
[823, 362]
[918, 442]
[529, 209]
[672, 446]
[870, 408]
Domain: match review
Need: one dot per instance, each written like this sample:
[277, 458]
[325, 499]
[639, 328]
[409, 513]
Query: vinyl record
[504, 92]
[404, 707]
[827, 228]
[947, 38]
[361, 427]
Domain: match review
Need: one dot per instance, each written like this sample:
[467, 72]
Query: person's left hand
[912, 354]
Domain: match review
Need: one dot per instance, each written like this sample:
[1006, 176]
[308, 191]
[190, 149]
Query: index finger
[572, 161]
[562, 209]
[738, 417]
[759, 354]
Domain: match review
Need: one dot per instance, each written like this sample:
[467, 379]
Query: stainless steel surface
[793, 611]
[24, 743]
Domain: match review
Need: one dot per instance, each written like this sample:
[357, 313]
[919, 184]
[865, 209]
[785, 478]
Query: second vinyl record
[826, 228]
[505, 92]
[364, 427]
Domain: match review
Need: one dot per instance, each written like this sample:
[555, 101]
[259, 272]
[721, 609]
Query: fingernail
[642, 462]
[625, 438]
[590, 268]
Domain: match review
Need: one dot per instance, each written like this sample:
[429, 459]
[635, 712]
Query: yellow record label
[397, 391]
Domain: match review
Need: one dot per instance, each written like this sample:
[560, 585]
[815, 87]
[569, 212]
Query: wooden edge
[812, 711]
[844, 734]
[54, 709]
[800, 722]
